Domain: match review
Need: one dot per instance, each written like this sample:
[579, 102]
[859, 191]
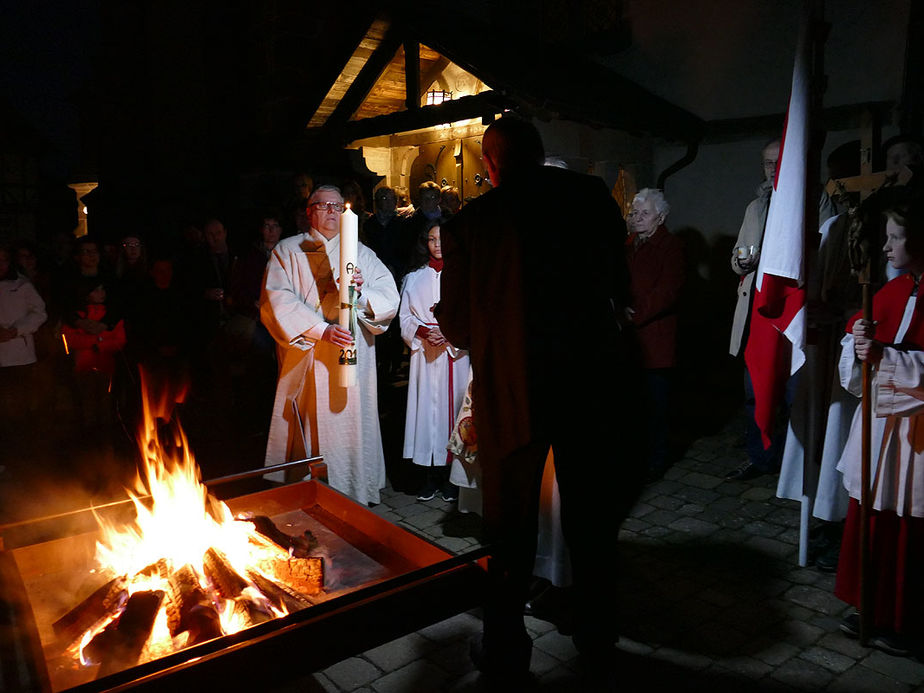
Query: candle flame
[347, 205]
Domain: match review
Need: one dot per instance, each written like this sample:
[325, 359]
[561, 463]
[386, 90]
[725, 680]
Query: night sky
[46, 55]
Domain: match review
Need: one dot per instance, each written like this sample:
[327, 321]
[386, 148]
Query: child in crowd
[438, 372]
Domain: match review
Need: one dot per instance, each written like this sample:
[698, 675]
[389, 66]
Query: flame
[176, 523]
[177, 520]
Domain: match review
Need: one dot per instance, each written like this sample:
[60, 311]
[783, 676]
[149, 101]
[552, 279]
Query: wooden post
[818, 32]
[865, 457]
[866, 404]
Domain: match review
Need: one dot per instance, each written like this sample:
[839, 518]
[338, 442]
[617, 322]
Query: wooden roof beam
[412, 75]
[485, 104]
[433, 73]
[365, 80]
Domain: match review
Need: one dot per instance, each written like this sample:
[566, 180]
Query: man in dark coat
[537, 293]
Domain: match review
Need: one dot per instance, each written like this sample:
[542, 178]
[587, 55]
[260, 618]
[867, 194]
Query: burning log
[303, 574]
[183, 594]
[226, 579]
[250, 613]
[286, 557]
[159, 569]
[98, 605]
[189, 607]
[202, 623]
[119, 645]
[298, 547]
[281, 596]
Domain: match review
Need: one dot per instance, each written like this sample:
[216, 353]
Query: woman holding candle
[438, 372]
[893, 342]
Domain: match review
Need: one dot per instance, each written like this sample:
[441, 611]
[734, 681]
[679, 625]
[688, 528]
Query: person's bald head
[510, 144]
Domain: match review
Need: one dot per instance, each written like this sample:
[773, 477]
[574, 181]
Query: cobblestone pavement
[710, 589]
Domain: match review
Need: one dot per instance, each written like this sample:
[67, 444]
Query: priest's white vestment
[312, 413]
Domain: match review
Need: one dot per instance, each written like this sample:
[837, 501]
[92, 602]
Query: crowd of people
[466, 300]
[83, 317]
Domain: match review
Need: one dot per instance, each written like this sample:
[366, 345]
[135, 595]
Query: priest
[299, 305]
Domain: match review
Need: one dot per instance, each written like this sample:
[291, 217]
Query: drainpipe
[682, 162]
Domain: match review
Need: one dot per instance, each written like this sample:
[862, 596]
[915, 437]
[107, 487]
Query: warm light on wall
[438, 96]
[81, 189]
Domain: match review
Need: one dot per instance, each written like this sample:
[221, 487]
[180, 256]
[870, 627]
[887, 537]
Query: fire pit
[175, 586]
[381, 582]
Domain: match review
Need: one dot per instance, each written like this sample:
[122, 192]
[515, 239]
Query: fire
[185, 569]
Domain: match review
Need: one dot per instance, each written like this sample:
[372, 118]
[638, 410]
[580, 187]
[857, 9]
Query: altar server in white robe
[834, 294]
[892, 341]
[438, 373]
[300, 302]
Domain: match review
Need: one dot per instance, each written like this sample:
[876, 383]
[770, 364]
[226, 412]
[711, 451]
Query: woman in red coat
[656, 273]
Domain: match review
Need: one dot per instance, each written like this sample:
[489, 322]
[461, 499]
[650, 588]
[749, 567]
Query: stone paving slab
[420, 675]
[395, 654]
[352, 673]
[898, 668]
[802, 675]
[830, 660]
[860, 679]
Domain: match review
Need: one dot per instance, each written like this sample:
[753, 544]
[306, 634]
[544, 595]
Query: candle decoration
[349, 237]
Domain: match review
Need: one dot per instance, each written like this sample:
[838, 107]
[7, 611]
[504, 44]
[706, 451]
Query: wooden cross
[866, 183]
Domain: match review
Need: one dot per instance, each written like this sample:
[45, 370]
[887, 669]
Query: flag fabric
[776, 338]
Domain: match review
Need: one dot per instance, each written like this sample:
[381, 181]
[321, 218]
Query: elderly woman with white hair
[656, 271]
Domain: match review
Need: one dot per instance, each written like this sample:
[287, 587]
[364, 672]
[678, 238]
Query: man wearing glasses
[300, 304]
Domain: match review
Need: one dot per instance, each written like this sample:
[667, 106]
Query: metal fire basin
[381, 582]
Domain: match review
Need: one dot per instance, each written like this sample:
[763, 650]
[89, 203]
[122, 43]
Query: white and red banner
[777, 328]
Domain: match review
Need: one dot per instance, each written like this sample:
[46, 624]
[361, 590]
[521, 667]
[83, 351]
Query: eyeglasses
[271, 225]
[329, 206]
[131, 244]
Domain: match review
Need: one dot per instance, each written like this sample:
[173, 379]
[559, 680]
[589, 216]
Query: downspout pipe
[682, 162]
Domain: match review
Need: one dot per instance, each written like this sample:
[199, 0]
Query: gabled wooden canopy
[401, 56]
[385, 75]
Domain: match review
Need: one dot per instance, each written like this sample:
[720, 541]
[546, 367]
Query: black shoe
[449, 492]
[552, 606]
[745, 472]
[892, 644]
[427, 493]
[850, 626]
[827, 561]
[597, 654]
[510, 665]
